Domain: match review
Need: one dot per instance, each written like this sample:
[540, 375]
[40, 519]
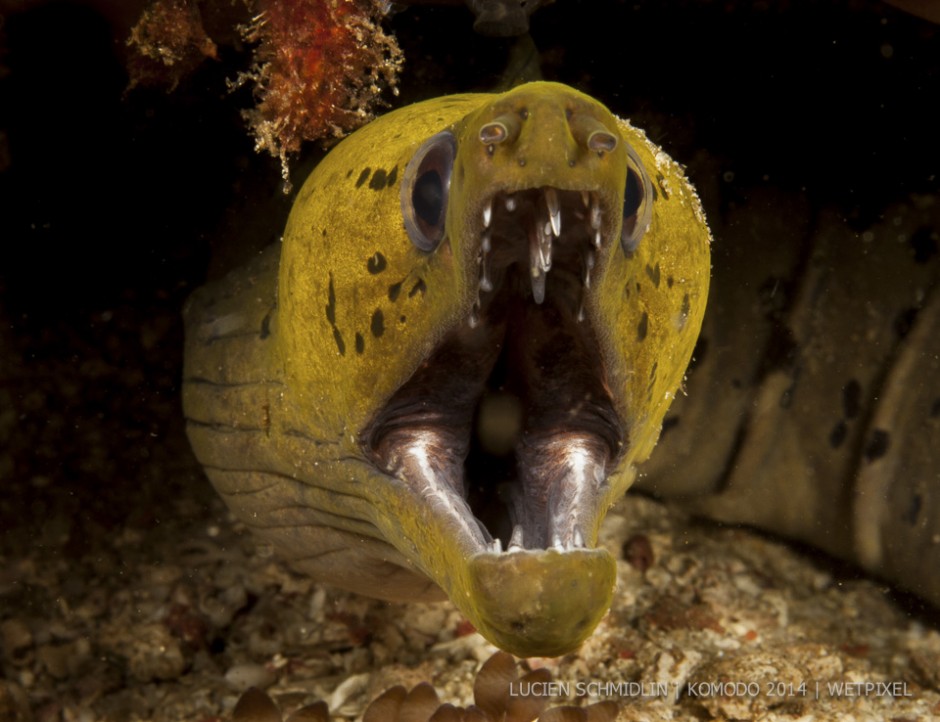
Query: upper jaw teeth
[554, 210]
[595, 214]
[543, 228]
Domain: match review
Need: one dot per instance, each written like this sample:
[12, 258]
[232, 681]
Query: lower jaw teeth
[517, 539]
[517, 542]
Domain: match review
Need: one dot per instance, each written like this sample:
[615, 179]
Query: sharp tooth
[597, 239]
[543, 237]
[538, 285]
[556, 543]
[588, 267]
[486, 284]
[581, 310]
[474, 319]
[554, 210]
[485, 246]
[540, 260]
[578, 539]
[496, 546]
[510, 203]
[595, 214]
[586, 198]
[488, 213]
[516, 541]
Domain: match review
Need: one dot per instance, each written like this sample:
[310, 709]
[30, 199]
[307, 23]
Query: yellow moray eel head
[485, 304]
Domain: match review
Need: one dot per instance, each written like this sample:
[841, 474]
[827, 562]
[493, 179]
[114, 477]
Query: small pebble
[16, 639]
[638, 551]
[243, 676]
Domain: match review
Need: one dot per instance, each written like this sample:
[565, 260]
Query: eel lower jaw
[530, 602]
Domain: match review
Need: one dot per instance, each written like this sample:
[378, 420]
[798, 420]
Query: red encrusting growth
[320, 67]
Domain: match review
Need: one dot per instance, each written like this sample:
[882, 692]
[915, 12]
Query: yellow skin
[359, 309]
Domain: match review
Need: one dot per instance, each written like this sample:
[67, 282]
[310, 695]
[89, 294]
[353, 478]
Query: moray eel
[446, 373]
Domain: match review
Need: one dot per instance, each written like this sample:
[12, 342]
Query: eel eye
[424, 190]
[637, 203]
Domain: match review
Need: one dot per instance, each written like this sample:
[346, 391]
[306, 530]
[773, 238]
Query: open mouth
[508, 429]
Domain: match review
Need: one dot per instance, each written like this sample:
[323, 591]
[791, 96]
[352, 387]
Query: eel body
[447, 372]
[813, 404]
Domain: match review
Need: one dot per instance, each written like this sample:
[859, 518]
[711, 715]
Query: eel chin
[507, 432]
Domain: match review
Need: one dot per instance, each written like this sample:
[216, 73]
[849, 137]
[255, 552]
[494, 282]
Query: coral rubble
[499, 695]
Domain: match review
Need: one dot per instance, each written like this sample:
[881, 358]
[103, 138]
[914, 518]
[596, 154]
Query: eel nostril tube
[499, 130]
[602, 141]
[592, 134]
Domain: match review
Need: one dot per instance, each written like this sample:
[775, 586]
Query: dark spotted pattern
[363, 177]
[331, 317]
[376, 263]
[393, 291]
[378, 323]
[377, 182]
[331, 303]
[661, 182]
[877, 445]
[642, 327]
[380, 179]
[340, 344]
[360, 343]
[419, 287]
[655, 275]
[838, 434]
